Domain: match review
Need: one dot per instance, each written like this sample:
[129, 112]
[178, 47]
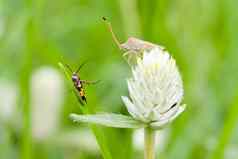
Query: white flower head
[156, 89]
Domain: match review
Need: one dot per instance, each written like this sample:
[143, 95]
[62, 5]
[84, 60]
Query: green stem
[26, 149]
[149, 141]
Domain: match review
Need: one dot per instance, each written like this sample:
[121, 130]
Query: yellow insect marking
[81, 93]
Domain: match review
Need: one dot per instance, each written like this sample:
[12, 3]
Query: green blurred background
[36, 98]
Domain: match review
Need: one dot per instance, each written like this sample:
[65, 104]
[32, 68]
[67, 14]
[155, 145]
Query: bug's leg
[125, 54]
[111, 31]
[89, 82]
[131, 57]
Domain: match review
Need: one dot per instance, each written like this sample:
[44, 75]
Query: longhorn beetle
[78, 83]
[133, 46]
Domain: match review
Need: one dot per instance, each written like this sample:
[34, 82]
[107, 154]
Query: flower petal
[163, 122]
[132, 109]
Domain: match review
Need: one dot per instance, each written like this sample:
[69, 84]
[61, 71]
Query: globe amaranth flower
[155, 89]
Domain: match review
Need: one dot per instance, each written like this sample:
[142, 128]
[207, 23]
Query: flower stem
[149, 142]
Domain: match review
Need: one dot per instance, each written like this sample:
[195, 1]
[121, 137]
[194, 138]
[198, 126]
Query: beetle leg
[89, 82]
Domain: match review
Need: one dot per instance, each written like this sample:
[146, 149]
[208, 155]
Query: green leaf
[61, 65]
[110, 120]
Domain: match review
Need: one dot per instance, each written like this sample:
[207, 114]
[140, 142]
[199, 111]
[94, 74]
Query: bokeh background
[36, 98]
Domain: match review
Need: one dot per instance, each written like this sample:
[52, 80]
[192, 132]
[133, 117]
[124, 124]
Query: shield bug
[133, 47]
[79, 84]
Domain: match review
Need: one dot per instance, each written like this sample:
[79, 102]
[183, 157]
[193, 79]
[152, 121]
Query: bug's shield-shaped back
[134, 49]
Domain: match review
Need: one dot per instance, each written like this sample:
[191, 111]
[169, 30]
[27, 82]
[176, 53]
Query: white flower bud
[156, 89]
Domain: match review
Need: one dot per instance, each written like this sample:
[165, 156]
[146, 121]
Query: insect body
[79, 84]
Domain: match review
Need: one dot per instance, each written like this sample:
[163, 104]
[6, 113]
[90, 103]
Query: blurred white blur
[81, 139]
[231, 152]
[47, 99]
[8, 100]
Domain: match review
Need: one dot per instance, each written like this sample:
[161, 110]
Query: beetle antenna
[69, 68]
[113, 35]
[81, 66]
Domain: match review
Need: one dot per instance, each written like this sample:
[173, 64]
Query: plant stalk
[149, 143]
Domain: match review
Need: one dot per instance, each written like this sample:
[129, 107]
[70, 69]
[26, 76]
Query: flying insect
[79, 84]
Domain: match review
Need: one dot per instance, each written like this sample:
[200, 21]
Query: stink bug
[133, 47]
[79, 84]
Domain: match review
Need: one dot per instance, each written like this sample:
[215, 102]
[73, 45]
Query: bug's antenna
[110, 29]
[81, 66]
[69, 68]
